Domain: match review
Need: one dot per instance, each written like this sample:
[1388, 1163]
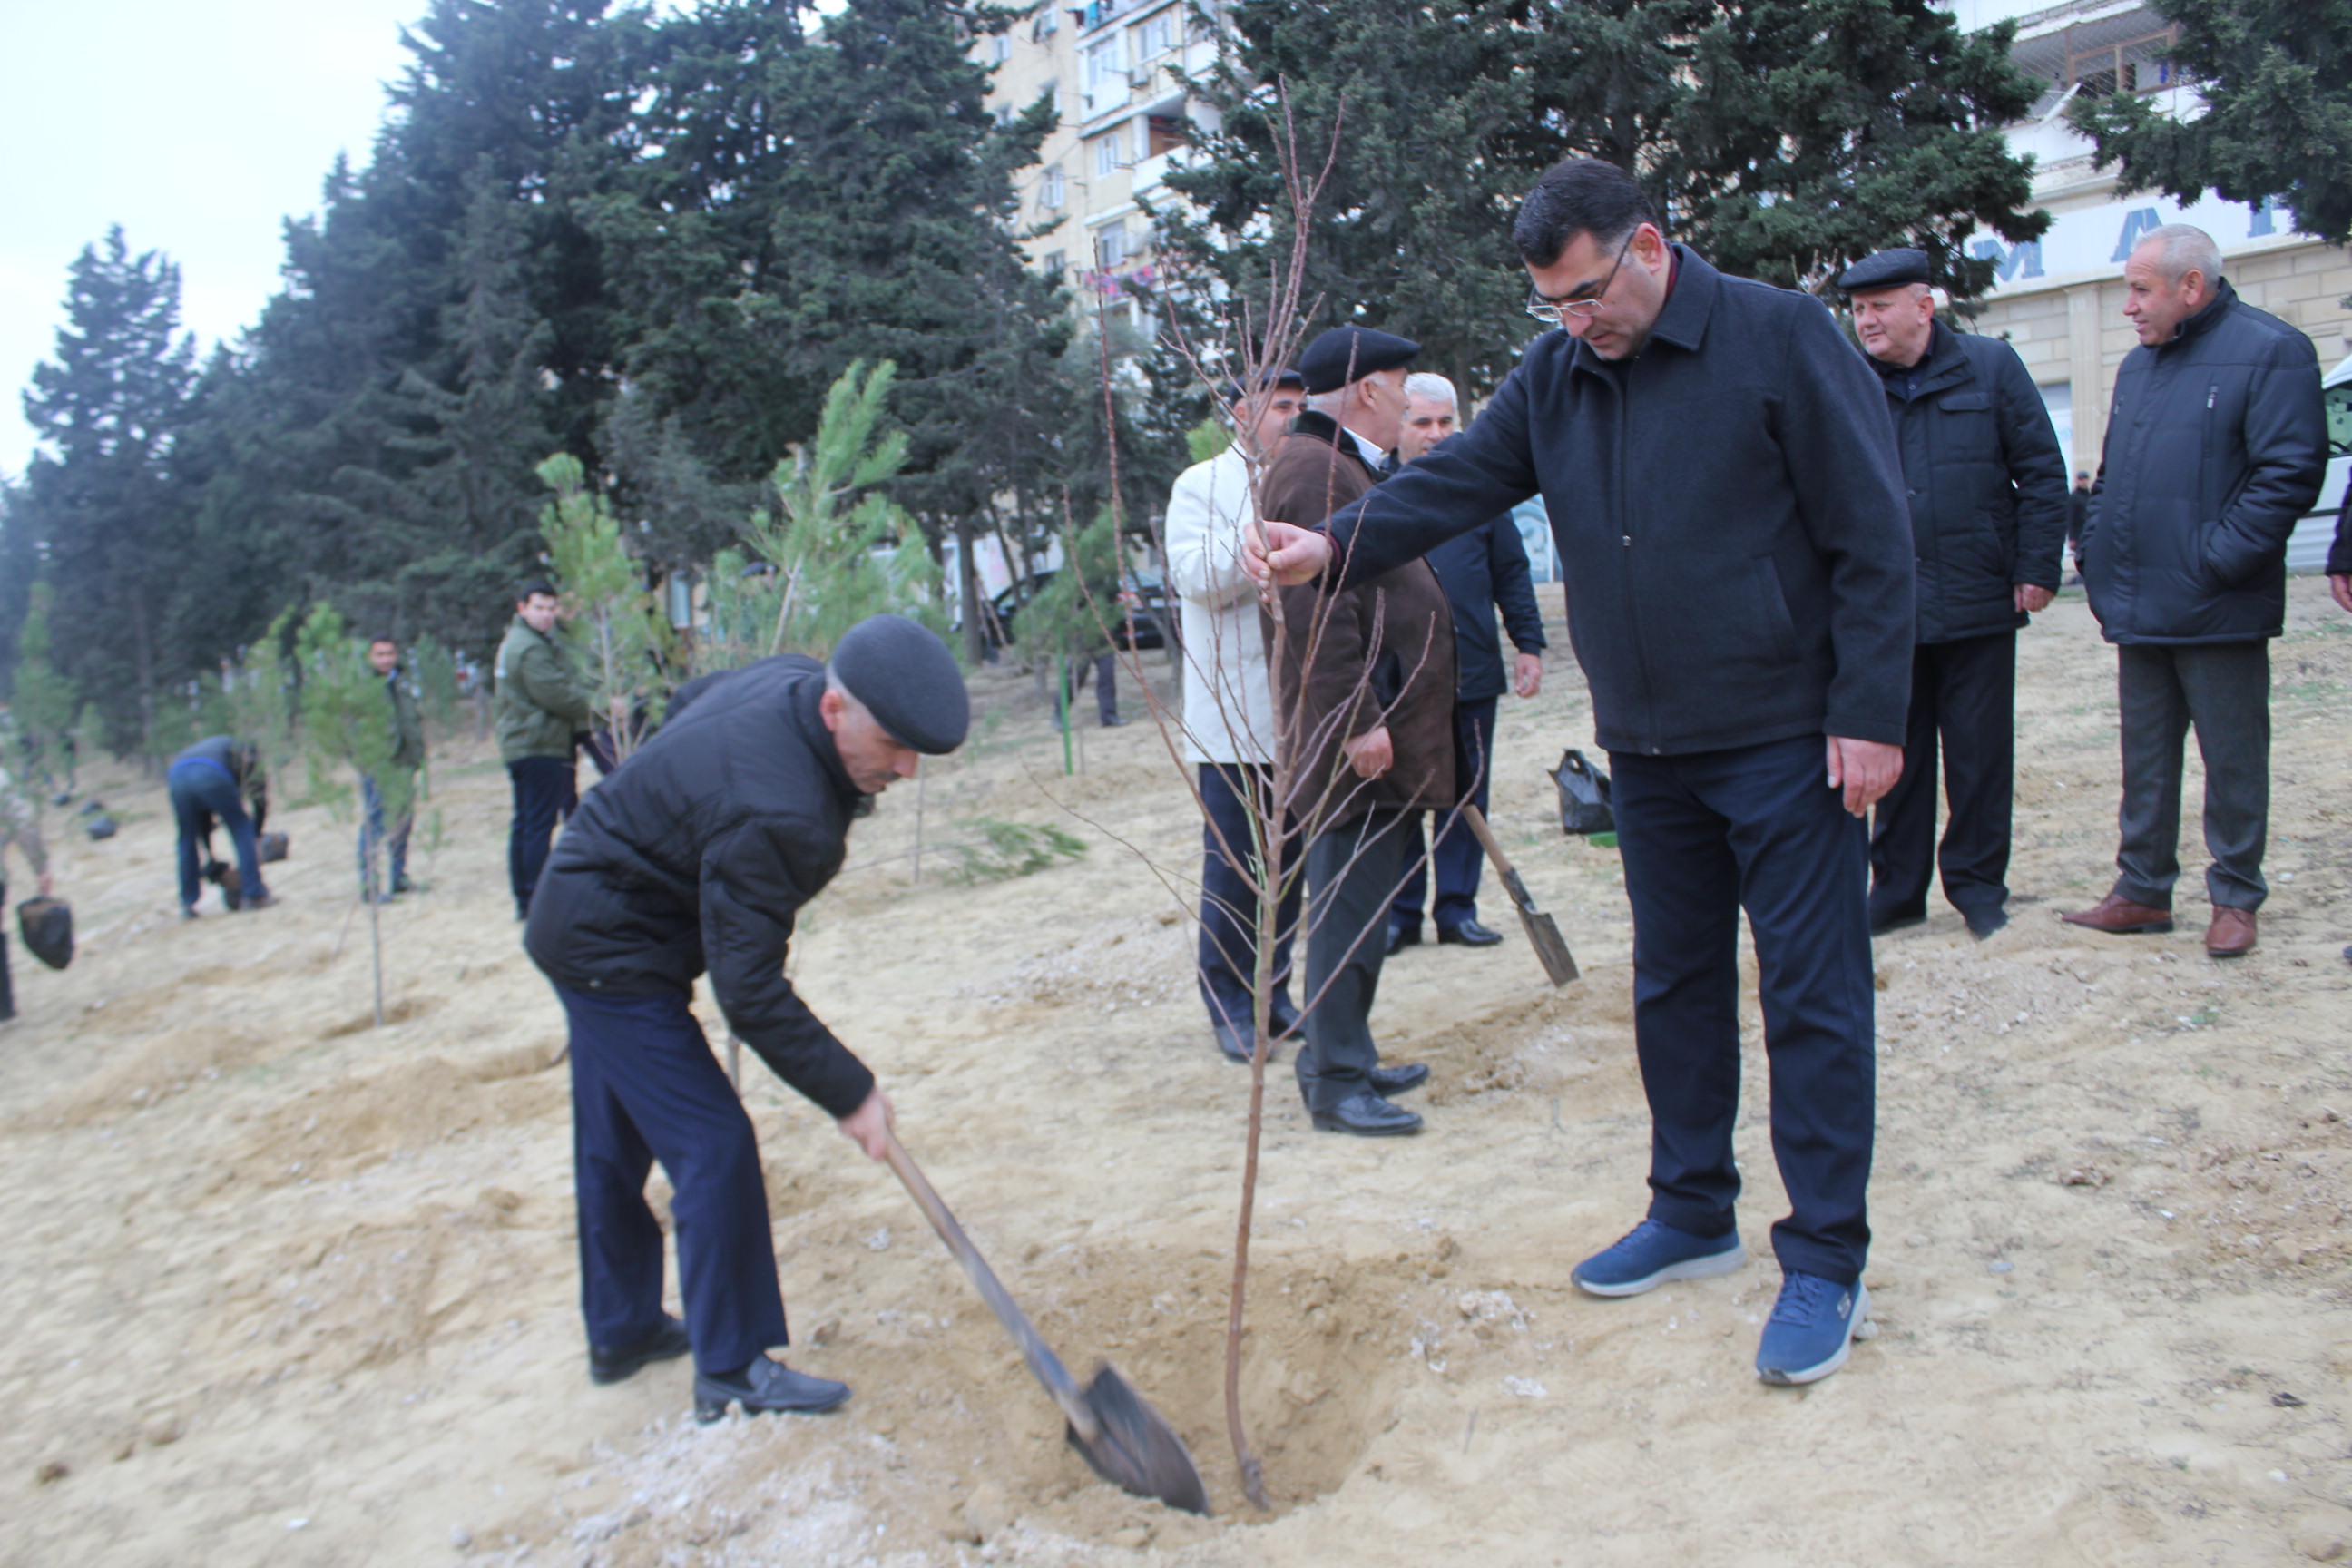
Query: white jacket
[1228, 708]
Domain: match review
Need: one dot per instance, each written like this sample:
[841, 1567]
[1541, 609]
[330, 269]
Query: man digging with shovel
[698, 856]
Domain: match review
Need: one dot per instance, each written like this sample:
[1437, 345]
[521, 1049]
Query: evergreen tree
[2276, 80]
[613, 618]
[100, 497]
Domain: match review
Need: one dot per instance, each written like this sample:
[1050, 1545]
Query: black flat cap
[1230, 391]
[1350, 354]
[1887, 269]
[907, 680]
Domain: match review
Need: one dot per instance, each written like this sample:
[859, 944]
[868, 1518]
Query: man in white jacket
[1229, 727]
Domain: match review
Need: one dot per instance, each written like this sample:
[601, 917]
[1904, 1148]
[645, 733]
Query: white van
[2306, 549]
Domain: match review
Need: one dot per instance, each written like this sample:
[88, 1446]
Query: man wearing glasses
[1727, 500]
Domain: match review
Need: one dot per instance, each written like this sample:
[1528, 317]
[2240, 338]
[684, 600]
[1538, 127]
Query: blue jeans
[202, 793]
[1456, 859]
[1704, 836]
[395, 843]
[645, 1086]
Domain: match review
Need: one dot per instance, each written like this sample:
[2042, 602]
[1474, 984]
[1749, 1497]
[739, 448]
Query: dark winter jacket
[241, 761]
[1729, 508]
[2216, 448]
[544, 700]
[1379, 652]
[699, 853]
[1985, 479]
[1484, 571]
[407, 723]
[2339, 554]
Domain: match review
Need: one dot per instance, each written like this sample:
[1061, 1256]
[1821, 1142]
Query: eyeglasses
[1555, 312]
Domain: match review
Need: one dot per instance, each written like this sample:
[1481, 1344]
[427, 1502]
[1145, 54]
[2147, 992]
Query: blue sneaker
[1812, 1326]
[1651, 1253]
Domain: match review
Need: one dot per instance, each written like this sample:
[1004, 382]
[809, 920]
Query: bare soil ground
[293, 1289]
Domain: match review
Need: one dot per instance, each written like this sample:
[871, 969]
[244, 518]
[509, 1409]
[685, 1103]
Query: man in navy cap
[1364, 704]
[1727, 500]
[1987, 486]
[1228, 708]
[698, 856]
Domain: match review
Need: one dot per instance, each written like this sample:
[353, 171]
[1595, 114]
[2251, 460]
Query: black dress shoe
[1403, 936]
[1367, 1116]
[665, 1344]
[1985, 923]
[1469, 933]
[1882, 921]
[1399, 1079]
[765, 1386]
[1233, 1042]
[1282, 1018]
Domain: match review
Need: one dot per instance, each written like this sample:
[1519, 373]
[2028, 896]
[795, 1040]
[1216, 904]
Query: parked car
[1141, 595]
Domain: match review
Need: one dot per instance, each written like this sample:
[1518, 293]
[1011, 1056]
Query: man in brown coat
[1364, 703]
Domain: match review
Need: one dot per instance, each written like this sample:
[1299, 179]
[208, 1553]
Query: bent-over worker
[205, 782]
[698, 855]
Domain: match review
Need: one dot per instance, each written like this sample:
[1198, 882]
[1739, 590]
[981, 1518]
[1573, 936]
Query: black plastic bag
[275, 847]
[99, 827]
[1583, 796]
[47, 926]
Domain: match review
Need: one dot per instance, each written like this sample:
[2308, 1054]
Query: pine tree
[615, 620]
[2276, 80]
[347, 723]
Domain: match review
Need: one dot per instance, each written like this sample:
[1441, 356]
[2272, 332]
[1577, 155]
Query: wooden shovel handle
[1043, 1363]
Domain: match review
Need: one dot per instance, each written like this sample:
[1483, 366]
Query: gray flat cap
[1350, 354]
[907, 680]
[1887, 269]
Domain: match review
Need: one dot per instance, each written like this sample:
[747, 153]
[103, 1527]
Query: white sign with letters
[2096, 241]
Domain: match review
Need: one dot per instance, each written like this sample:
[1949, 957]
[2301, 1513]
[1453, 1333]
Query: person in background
[543, 703]
[20, 824]
[1483, 572]
[2216, 448]
[1986, 488]
[407, 757]
[2078, 511]
[208, 782]
[1228, 709]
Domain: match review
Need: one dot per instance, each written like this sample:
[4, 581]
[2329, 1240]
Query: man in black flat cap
[698, 856]
[1987, 486]
[1364, 710]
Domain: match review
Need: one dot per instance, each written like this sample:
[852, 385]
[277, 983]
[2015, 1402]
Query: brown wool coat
[1377, 652]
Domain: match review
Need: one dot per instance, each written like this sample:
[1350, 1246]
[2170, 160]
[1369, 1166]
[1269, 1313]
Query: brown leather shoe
[2118, 916]
[2231, 934]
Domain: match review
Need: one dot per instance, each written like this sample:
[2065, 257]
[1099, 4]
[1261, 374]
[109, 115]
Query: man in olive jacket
[544, 702]
[1727, 502]
[1364, 707]
[1988, 493]
[2216, 448]
[697, 857]
[407, 757]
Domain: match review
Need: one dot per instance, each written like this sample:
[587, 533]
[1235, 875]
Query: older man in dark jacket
[1988, 493]
[698, 856]
[1363, 696]
[1725, 490]
[2216, 448]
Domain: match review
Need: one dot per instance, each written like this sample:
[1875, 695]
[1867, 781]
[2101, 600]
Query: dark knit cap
[1887, 269]
[1346, 354]
[907, 680]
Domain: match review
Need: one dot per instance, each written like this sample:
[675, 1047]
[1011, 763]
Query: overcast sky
[198, 125]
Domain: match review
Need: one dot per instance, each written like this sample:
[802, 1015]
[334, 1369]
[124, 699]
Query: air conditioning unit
[1140, 78]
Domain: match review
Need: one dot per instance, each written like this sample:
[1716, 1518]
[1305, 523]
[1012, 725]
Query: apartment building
[1112, 69]
[2060, 298]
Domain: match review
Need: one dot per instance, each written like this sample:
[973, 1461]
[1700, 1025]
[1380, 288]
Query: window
[1056, 262]
[1156, 37]
[2133, 65]
[1106, 159]
[1050, 192]
[1111, 246]
[1106, 64]
[1046, 23]
[1165, 133]
[1000, 49]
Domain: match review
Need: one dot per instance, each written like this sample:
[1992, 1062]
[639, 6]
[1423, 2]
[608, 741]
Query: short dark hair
[384, 637]
[1578, 196]
[536, 585]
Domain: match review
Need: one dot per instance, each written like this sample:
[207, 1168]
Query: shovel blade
[1134, 1447]
[1543, 935]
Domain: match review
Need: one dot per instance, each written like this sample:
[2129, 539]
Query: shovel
[1543, 932]
[1126, 1442]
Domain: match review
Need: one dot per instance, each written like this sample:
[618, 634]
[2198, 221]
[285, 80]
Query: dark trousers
[645, 1086]
[1228, 951]
[1106, 674]
[202, 795]
[1351, 876]
[1963, 694]
[1703, 837]
[372, 832]
[2224, 690]
[7, 984]
[1455, 858]
[545, 790]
